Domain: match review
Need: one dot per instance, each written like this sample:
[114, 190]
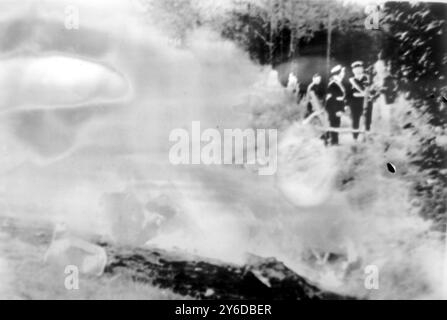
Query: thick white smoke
[95, 151]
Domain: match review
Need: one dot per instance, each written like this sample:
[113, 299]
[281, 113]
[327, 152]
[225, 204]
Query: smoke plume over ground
[85, 117]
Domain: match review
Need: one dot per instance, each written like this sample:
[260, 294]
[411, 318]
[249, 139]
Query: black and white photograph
[223, 150]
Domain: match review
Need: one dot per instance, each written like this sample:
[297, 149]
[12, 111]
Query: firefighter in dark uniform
[316, 88]
[357, 88]
[335, 101]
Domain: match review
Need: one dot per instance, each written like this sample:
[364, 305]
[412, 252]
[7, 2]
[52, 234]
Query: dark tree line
[411, 36]
[285, 29]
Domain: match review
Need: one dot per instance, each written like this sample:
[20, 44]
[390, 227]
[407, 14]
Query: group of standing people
[355, 96]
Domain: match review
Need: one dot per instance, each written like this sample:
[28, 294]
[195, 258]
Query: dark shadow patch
[391, 167]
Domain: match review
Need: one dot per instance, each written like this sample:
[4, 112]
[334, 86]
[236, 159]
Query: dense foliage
[415, 39]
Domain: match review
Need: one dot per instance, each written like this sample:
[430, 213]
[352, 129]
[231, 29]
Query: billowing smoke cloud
[87, 112]
[85, 122]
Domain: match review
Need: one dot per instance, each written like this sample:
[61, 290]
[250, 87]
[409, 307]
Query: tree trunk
[328, 48]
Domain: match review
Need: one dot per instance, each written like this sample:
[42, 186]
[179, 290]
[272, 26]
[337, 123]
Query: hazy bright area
[87, 113]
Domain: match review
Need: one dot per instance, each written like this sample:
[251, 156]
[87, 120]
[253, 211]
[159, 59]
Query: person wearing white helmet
[335, 101]
[358, 85]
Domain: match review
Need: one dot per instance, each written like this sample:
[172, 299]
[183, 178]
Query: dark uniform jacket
[356, 89]
[317, 89]
[335, 98]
